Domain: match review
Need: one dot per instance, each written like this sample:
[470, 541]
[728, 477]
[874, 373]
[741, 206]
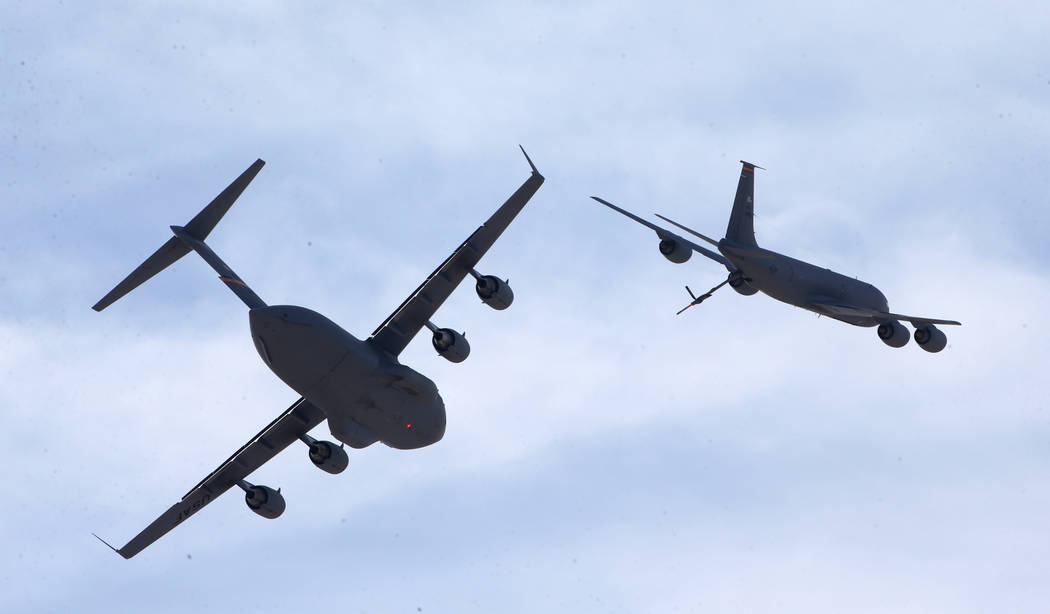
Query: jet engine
[328, 457]
[675, 250]
[493, 292]
[930, 338]
[738, 283]
[263, 500]
[893, 334]
[450, 345]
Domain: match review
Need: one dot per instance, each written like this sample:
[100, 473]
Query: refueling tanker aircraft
[822, 291]
[358, 386]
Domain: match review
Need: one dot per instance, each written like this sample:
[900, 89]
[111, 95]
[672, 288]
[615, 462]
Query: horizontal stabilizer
[198, 228]
[203, 223]
[160, 260]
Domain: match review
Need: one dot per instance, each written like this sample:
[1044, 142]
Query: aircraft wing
[880, 316]
[667, 234]
[394, 334]
[297, 420]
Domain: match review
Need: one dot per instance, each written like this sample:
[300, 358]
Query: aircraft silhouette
[358, 386]
[754, 269]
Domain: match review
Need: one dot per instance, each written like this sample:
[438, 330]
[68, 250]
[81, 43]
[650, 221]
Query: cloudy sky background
[601, 454]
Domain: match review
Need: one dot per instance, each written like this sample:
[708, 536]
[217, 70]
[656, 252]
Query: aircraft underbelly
[797, 283]
[365, 396]
[300, 346]
[808, 289]
[804, 285]
[783, 284]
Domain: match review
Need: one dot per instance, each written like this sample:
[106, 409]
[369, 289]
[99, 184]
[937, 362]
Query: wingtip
[534, 169]
[110, 546]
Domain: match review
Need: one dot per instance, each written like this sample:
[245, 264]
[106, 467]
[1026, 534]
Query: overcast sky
[601, 454]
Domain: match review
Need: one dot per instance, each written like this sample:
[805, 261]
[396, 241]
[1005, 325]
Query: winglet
[110, 547]
[534, 170]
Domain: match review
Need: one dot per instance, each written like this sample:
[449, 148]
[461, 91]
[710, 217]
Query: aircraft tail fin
[741, 229]
[191, 237]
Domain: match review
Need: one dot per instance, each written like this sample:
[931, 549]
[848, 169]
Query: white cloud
[601, 453]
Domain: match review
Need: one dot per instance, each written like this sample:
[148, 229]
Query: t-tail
[741, 229]
[191, 237]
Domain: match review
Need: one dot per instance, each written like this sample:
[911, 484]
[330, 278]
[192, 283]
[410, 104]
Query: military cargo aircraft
[358, 386]
[754, 269]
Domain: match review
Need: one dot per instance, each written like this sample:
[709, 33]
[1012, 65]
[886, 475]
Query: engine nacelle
[893, 334]
[452, 346]
[738, 283]
[675, 250]
[328, 457]
[264, 501]
[930, 338]
[493, 292]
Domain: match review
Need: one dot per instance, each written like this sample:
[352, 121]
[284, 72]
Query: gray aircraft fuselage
[798, 283]
[366, 394]
[819, 290]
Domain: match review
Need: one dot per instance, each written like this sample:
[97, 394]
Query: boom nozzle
[703, 297]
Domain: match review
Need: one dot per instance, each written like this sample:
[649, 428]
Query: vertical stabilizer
[741, 230]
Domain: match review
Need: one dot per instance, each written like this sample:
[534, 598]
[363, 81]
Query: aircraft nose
[425, 428]
[437, 426]
[435, 430]
[422, 434]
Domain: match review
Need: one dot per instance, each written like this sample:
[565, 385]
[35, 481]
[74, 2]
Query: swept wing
[295, 421]
[879, 316]
[667, 234]
[394, 334]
